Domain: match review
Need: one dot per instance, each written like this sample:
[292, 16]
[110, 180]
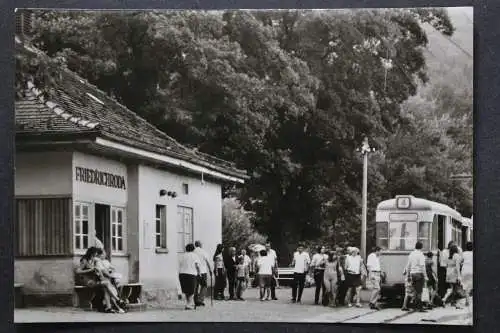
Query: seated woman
[110, 292]
[86, 276]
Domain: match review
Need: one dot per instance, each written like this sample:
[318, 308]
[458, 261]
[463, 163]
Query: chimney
[24, 23]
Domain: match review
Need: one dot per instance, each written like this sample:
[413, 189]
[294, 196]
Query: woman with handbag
[453, 276]
[219, 273]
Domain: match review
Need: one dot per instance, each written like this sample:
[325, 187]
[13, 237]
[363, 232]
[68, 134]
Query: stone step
[137, 307]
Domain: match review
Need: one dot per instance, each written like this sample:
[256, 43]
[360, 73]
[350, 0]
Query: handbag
[425, 295]
[461, 293]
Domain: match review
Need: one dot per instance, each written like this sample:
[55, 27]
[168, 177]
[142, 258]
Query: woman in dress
[330, 279]
[189, 271]
[453, 276]
[342, 285]
[86, 276]
[467, 270]
[219, 273]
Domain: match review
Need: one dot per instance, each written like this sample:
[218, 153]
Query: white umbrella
[257, 247]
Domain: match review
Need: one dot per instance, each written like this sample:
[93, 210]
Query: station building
[87, 167]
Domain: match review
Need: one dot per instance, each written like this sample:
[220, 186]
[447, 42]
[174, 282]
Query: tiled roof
[75, 105]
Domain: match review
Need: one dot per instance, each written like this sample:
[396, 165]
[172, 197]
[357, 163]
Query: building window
[117, 229]
[43, 227]
[81, 224]
[184, 227]
[185, 189]
[161, 227]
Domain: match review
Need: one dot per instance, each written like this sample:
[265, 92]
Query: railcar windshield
[403, 235]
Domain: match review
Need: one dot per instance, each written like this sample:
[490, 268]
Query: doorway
[441, 231]
[102, 227]
[465, 230]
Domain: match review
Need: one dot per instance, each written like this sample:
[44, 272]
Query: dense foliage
[288, 96]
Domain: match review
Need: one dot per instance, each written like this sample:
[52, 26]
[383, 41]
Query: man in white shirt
[205, 268]
[273, 257]
[374, 271]
[318, 265]
[417, 273]
[300, 263]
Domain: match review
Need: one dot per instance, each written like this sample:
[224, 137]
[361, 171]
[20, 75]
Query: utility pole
[365, 150]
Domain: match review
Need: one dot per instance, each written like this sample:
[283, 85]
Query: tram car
[404, 220]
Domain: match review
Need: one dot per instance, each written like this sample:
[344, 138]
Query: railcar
[404, 220]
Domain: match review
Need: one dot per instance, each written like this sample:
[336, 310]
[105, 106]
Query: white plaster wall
[45, 275]
[99, 193]
[43, 174]
[159, 270]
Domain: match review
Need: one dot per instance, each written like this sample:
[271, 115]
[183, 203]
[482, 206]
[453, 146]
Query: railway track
[393, 315]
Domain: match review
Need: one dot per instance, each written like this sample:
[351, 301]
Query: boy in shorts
[242, 277]
[409, 292]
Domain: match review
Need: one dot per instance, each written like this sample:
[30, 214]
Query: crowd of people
[227, 269]
[339, 276]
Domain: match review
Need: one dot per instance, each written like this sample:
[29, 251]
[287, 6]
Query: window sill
[161, 250]
[120, 254]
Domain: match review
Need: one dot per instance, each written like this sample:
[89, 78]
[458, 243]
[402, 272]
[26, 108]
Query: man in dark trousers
[230, 263]
[272, 254]
[300, 264]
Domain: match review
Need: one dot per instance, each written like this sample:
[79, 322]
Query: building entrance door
[103, 227]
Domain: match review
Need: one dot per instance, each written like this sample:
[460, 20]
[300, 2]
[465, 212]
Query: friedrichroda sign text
[100, 178]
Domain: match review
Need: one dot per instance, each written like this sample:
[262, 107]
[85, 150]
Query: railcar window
[403, 235]
[382, 234]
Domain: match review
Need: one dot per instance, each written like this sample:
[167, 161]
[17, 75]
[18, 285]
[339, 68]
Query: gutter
[168, 160]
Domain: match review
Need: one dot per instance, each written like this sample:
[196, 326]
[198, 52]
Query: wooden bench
[131, 292]
[18, 295]
[86, 297]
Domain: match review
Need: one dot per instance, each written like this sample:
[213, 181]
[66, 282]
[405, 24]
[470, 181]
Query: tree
[237, 228]
[288, 96]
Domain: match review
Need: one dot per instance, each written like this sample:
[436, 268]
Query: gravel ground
[252, 310]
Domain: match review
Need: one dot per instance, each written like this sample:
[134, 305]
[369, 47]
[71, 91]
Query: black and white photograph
[295, 166]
